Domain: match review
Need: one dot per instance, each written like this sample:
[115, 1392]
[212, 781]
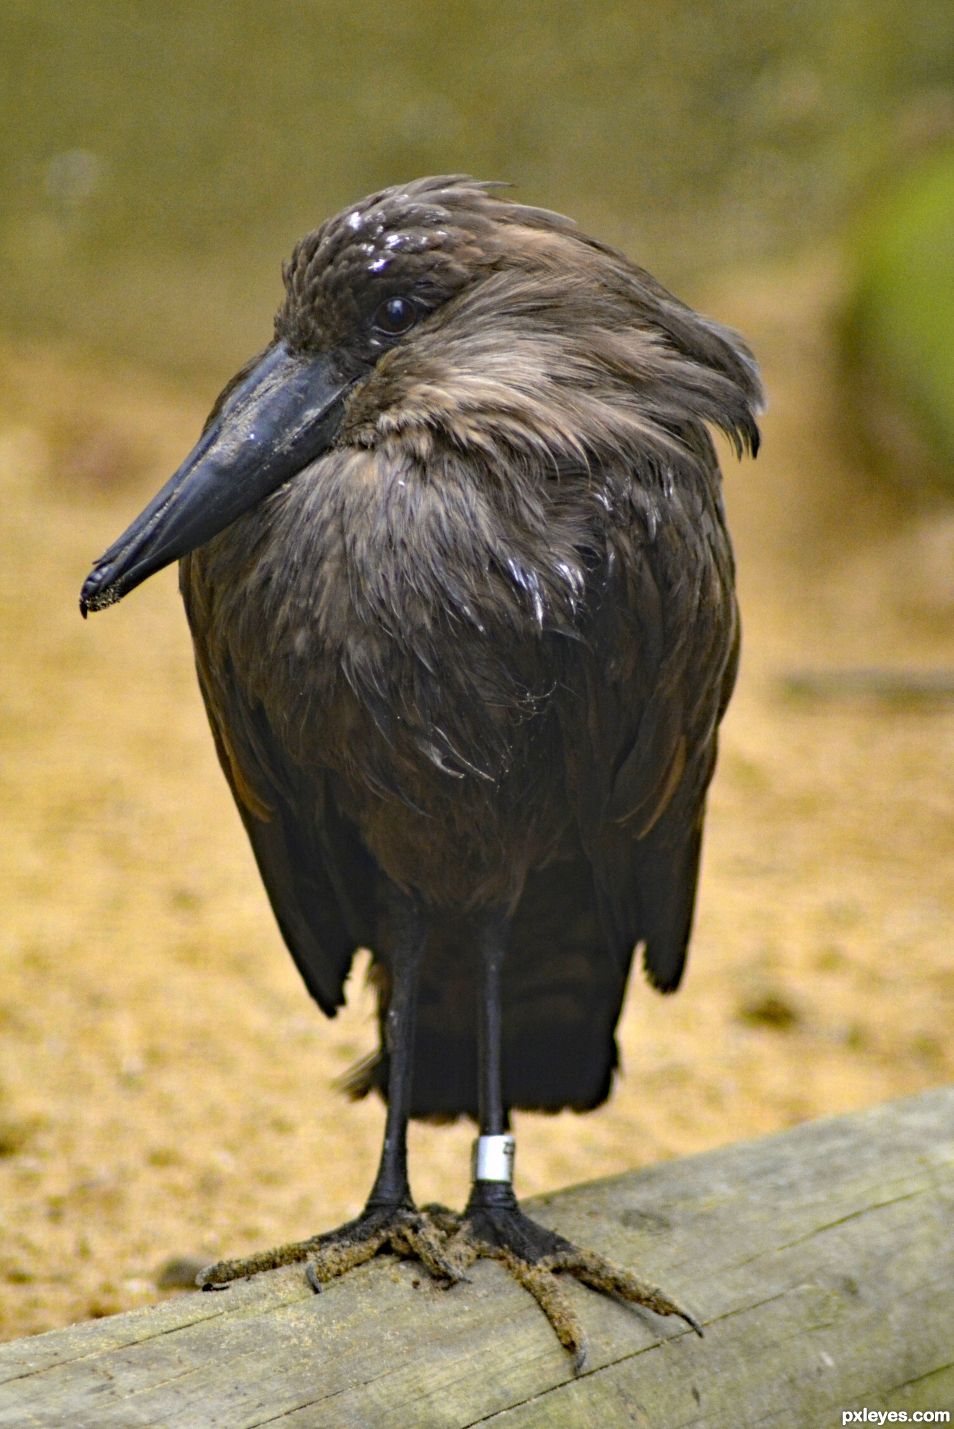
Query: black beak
[277, 418]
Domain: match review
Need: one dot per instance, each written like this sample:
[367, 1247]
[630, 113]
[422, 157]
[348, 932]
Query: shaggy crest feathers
[537, 332]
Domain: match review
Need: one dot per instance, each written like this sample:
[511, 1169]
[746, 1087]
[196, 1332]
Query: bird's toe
[539, 1258]
[402, 1230]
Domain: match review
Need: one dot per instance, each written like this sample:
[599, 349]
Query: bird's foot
[401, 1229]
[494, 1226]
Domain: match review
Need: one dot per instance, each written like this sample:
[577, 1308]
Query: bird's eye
[394, 316]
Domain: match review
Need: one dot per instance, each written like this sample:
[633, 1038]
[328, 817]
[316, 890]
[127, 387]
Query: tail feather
[562, 993]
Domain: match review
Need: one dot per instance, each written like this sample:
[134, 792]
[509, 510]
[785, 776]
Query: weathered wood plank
[821, 1262]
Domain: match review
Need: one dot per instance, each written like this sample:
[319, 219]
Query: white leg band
[493, 1158]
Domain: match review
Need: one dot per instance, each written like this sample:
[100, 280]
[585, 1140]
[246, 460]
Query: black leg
[494, 1225]
[390, 1221]
[408, 935]
[494, 1120]
[494, 1148]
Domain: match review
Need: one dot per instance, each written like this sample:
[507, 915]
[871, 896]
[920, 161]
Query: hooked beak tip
[97, 592]
[282, 413]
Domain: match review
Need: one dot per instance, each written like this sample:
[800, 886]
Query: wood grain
[820, 1260]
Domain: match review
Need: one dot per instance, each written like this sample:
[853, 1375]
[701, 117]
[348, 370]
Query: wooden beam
[820, 1260]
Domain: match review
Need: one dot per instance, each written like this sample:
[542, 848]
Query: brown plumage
[461, 592]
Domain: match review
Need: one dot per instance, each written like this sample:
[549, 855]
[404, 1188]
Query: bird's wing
[317, 872]
[657, 672]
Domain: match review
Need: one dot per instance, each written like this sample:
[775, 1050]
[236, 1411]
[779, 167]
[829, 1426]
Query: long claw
[537, 1257]
[223, 1272]
[401, 1229]
[601, 1274]
[549, 1295]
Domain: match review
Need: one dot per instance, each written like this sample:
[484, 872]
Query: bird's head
[438, 311]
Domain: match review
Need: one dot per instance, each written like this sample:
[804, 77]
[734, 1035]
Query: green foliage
[901, 324]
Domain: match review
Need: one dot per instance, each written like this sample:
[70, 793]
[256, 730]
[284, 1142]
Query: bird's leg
[390, 1221]
[494, 1225]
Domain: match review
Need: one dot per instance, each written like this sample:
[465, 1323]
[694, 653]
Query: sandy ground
[164, 1077]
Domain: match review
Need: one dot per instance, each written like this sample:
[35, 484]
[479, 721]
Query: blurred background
[164, 1080]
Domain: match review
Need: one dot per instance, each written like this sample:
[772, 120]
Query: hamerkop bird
[454, 557]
